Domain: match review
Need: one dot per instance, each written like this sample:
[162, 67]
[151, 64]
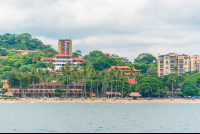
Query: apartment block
[166, 63]
[65, 46]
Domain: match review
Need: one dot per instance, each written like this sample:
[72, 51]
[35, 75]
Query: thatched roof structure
[9, 94]
[135, 94]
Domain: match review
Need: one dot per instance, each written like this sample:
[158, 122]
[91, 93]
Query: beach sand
[99, 100]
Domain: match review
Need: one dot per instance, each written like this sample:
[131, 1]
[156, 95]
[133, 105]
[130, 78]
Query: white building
[60, 60]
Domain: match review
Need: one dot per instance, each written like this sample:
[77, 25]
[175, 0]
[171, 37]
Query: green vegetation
[20, 70]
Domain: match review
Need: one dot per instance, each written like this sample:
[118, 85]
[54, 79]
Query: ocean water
[99, 117]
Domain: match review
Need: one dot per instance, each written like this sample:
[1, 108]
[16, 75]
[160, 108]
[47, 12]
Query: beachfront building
[166, 63]
[65, 46]
[47, 89]
[60, 60]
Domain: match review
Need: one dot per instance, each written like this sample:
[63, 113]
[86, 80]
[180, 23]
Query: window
[171, 71]
[166, 71]
[171, 66]
[181, 66]
[172, 58]
[166, 62]
[166, 58]
[180, 71]
[188, 66]
[185, 66]
[180, 57]
[172, 61]
[185, 62]
[161, 58]
[186, 70]
[166, 66]
[180, 62]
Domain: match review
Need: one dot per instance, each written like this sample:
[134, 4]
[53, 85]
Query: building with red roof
[124, 68]
[107, 54]
[60, 60]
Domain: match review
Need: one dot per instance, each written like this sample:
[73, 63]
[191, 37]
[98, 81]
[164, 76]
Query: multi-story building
[65, 46]
[184, 63]
[60, 60]
[47, 89]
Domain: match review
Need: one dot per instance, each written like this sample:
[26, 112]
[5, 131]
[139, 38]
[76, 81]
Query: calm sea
[96, 118]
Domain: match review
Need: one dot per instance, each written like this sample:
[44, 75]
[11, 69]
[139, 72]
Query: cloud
[126, 28]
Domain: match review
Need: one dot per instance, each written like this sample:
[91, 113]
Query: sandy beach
[108, 100]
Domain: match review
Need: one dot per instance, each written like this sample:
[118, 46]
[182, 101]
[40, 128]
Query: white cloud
[126, 28]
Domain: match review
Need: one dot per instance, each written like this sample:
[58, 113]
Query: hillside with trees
[22, 68]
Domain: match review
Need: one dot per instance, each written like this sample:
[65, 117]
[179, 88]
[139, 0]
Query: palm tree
[172, 79]
[43, 78]
[40, 73]
[67, 68]
[91, 75]
[107, 77]
[97, 75]
[84, 74]
[119, 74]
[63, 73]
[131, 77]
[20, 78]
[123, 74]
[116, 71]
[111, 76]
[47, 74]
[33, 72]
[75, 77]
[137, 76]
[54, 78]
[53, 67]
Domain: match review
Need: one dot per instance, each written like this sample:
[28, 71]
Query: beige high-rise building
[166, 63]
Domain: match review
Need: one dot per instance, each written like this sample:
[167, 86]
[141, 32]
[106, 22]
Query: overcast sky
[123, 27]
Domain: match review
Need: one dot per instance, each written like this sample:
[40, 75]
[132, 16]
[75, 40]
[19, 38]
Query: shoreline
[108, 100]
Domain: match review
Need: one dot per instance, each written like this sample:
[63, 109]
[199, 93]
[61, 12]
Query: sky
[122, 27]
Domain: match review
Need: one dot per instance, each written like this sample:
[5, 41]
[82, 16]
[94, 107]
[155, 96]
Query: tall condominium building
[166, 63]
[65, 46]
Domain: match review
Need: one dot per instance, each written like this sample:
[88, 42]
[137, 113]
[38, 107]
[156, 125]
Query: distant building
[107, 54]
[65, 46]
[25, 51]
[60, 60]
[166, 63]
[124, 68]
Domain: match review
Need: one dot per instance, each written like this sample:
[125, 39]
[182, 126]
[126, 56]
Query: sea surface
[99, 117]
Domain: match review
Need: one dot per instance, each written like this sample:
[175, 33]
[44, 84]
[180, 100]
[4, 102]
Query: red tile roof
[106, 54]
[62, 55]
[120, 67]
[132, 80]
[47, 58]
[78, 59]
[117, 57]
[3, 56]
